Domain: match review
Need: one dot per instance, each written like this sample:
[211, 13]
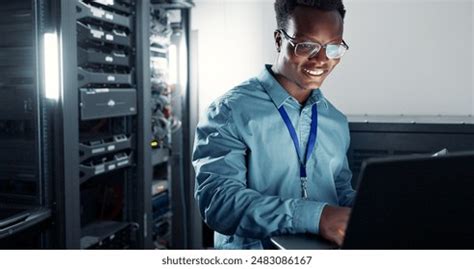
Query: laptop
[409, 202]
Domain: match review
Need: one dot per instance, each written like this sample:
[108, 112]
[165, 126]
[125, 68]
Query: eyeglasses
[310, 49]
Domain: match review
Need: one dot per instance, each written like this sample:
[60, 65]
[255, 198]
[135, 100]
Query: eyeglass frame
[293, 42]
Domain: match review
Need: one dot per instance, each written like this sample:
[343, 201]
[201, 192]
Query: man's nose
[320, 57]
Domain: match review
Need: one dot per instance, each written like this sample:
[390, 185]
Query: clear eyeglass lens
[306, 49]
[335, 51]
[309, 49]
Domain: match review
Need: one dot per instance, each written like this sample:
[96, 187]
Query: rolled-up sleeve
[225, 202]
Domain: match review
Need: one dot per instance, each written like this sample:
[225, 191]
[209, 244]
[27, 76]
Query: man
[270, 155]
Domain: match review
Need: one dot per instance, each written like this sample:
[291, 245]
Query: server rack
[162, 118]
[173, 110]
[25, 172]
[95, 148]
[103, 155]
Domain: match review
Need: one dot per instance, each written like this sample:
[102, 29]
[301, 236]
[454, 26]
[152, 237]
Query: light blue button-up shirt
[247, 169]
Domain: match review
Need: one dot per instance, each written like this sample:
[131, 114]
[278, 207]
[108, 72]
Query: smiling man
[270, 155]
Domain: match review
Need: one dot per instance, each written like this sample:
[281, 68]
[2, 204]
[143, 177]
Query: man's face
[308, 24]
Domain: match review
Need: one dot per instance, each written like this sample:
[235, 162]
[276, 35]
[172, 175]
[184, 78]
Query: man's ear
[277, 37]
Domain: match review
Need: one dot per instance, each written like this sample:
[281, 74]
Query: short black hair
[284, 8]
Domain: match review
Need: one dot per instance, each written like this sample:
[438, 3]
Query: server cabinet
[379, 136]
[82, 141]
[25, 172]
[172, 110]
[102, 146]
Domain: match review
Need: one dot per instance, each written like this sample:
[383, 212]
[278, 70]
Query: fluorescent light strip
[173, 64]
[183, 64]
[51, 66]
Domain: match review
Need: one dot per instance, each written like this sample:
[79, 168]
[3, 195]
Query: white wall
[406, 57]
[234, 42]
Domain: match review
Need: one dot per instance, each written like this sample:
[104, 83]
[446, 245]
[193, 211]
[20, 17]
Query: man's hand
[333, 223]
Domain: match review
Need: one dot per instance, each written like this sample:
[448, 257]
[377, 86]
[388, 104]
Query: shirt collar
[317, 97]
[278, 94]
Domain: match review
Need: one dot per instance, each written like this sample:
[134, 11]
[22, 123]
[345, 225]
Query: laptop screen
[420, 202]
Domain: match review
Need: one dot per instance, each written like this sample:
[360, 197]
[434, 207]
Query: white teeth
[315, 72]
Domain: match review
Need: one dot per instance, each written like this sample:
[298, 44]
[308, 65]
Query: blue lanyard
[309, 147]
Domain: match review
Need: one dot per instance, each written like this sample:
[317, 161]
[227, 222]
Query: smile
[315, 72]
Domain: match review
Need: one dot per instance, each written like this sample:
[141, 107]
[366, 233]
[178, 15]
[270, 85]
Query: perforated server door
[24, 173]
